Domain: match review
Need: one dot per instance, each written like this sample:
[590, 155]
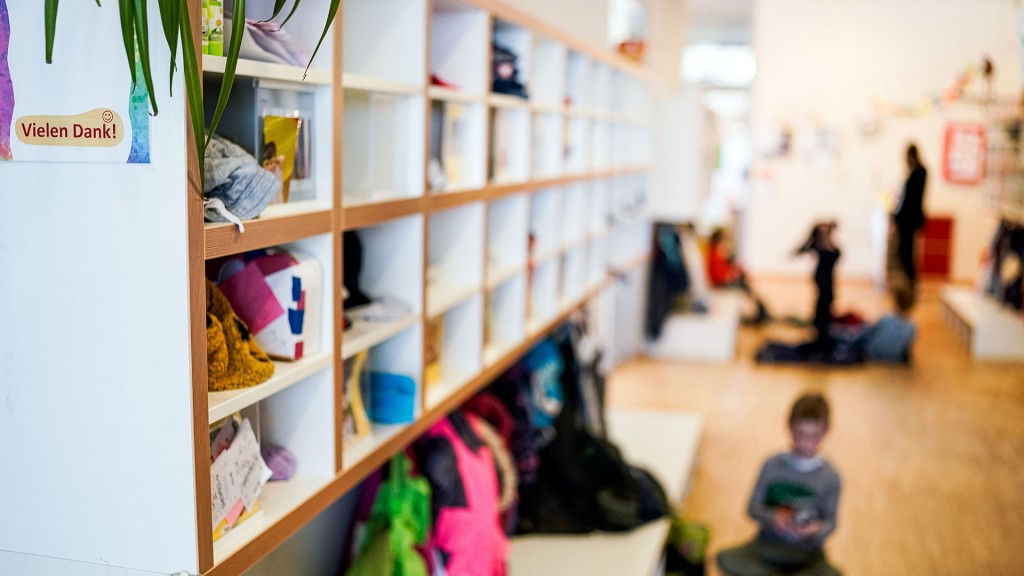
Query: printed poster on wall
[964, 154]
[80, 108]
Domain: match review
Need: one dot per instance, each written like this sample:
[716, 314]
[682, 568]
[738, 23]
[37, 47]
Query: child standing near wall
[794, 501]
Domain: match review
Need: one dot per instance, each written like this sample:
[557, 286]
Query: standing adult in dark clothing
[909, 216]
[820, 242]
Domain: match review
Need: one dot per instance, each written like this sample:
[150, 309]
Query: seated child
[724, 272]
[794, 501]
[889, 339]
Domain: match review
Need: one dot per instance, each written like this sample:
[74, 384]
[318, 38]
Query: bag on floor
[686, 548]
[399, 521]
[584, 483]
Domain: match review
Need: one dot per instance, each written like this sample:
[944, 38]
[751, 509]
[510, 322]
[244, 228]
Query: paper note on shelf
[238, 474]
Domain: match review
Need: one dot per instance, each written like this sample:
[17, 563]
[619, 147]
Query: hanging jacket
[669, 278]
[462, 474]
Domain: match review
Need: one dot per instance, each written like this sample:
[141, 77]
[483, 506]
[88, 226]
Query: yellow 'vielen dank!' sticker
[99, 127]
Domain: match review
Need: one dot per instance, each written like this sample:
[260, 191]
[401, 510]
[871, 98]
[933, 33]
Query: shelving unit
[459, 258]
[991, 330]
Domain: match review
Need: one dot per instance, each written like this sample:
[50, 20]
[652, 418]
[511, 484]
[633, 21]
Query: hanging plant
[177, 25]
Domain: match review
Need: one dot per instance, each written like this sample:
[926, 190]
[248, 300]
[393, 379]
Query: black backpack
[584, 484]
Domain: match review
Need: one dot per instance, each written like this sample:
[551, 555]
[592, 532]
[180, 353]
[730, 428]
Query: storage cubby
[401, 354]
[629, 197]
[602, 86]
[543, 300]
[456, 257]
[574, 275]
[632, 144]
[384, 41]
[318, 338]
[303, 29]
[392, 277]
[301, 419]
[629, 241]
[505, 323]
[599, 207]
[549, 75]
[255, 99]
[545, 224]
[579, 82]
[508, 224]
[578, 145]
[601, 145]
[548, 144]
[458, 36]
[381, 161]
[574, 215]
[457, 145]
[457, 340]
[597, 261]
[619, 94]
[519, 41]
[510, 145]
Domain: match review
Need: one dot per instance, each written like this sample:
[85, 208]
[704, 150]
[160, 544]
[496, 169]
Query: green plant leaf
[335, 4]
[98, 3]
[278, 5]
[290, 13]
[230, 65]
[193, 87]
[169, 21]
[142, 41]
[50, 21]
[128, 35]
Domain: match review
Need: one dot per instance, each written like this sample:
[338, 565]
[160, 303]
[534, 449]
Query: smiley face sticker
[108, 116]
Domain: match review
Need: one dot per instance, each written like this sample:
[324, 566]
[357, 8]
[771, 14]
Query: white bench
[991, 331]
[664, 443]
[709, 337]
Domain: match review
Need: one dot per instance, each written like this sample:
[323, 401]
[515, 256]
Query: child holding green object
[794, 501]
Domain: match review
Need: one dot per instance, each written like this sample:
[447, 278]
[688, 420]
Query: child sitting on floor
[889, 339]
[794, 501]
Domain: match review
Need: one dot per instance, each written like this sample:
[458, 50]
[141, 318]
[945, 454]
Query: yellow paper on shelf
[223, 528]
[280, 142]
[356, 423]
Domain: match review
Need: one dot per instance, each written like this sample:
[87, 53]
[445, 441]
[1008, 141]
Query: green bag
[399, 521]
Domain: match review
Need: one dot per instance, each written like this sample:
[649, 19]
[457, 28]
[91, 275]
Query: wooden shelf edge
[491, 192]
[269, 71]
[224, 239]
[367, 215]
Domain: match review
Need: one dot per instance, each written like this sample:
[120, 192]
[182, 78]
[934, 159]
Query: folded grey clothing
[235, 177]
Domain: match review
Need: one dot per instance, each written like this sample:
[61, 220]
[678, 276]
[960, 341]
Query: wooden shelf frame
[218, 240]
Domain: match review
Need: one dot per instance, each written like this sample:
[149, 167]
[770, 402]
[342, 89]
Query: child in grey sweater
[794, 501]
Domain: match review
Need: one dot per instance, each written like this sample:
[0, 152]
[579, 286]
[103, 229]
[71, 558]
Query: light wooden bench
[664, 443]
[991, 331]
[709, 337]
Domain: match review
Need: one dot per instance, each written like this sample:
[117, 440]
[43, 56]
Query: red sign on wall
[964, 154]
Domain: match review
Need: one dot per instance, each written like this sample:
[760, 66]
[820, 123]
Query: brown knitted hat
[234, 359]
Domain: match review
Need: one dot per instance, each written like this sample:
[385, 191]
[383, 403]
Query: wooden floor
[931, 456]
